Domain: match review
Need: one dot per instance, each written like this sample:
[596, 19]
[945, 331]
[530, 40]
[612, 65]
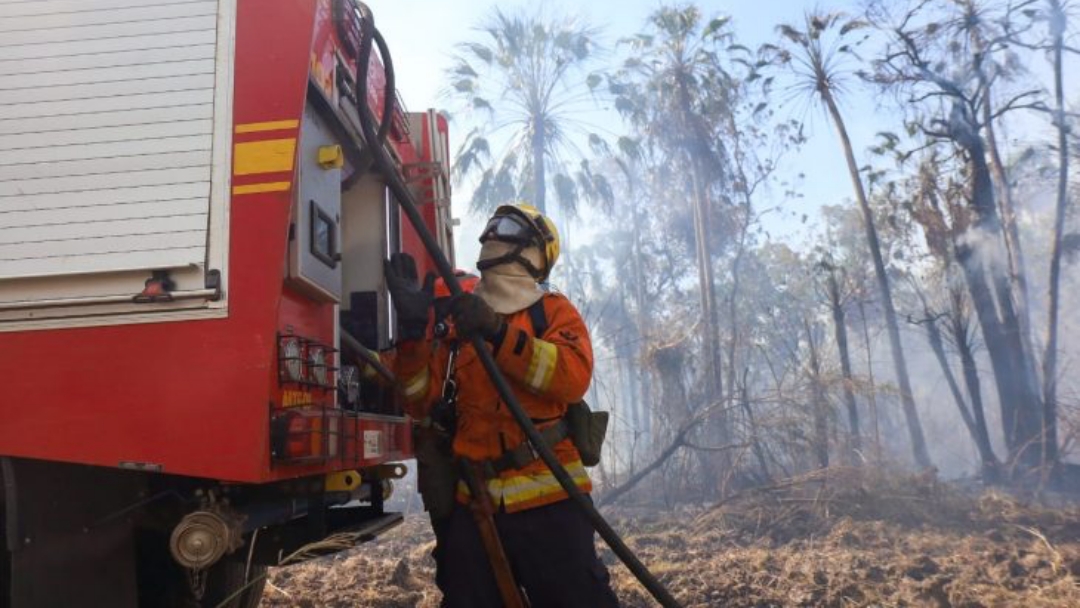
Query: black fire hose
[405, 199]
[370, 357]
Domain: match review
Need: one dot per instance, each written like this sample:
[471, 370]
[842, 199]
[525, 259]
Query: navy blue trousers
[551, 553]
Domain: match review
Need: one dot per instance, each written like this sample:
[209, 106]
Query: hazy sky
[422, 33]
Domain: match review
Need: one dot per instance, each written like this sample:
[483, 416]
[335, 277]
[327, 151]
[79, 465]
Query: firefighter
[542, 346]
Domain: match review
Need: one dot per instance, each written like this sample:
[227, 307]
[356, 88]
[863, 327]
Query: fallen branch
[677, 442]
[609, 497]
[715, 448]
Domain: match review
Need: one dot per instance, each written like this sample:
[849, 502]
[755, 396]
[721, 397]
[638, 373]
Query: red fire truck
[191, 247]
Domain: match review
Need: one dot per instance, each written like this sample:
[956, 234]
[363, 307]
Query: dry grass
[839, 538]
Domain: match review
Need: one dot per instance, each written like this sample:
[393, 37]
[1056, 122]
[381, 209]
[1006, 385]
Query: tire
[228, 576]
[164, 583]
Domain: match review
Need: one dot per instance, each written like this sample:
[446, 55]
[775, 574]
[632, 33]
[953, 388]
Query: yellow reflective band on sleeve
[541, 366]
[417, 386]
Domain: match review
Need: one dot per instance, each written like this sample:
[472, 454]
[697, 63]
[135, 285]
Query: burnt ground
[845, 538]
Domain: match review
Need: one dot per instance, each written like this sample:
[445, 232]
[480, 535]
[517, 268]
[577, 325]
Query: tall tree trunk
[712, 379]
[1057, 28]
[872, 392]
[539, 141]
[707, 289]
[907, 399]
[1019, 298]
[958, 327]
[624, 352]
[755, 439]
[695, 152]
[747, 218]
[937, 345]
[733, 301]
[840, 331]
[820, 408]
[642, 320]
[1014, 371]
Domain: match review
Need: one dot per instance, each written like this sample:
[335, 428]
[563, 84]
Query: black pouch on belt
[587, 430]
[436, 472]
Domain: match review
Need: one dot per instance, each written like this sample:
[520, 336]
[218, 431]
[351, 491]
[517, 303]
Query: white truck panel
[130, 148]
[120, 12]
[17, 8]
[18, 190]
[89, 107]
[103, 135]
[41, 80]
[106, 198]
[64, 31]
[109, 165]
[113, 230]
[106, 46]
[91, 61]
[121, 118]
[31, 218]
[96, 90]
[115, 129]
[75, 263]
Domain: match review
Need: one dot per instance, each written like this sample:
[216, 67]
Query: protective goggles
[509, 228]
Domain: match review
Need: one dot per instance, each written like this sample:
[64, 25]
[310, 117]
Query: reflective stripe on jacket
[546, 373]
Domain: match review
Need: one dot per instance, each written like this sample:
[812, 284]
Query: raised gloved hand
[472, 316]
[412, 301]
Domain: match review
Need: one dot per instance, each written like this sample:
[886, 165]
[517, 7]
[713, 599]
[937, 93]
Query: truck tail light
[304, 435]
[289, 438]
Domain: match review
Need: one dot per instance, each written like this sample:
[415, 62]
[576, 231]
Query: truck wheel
[162, 582]
[228, 576]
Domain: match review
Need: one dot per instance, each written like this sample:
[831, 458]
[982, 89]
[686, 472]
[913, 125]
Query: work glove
[472, 316]
[412, 301]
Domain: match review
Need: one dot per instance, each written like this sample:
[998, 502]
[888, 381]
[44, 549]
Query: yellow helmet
[524, 225]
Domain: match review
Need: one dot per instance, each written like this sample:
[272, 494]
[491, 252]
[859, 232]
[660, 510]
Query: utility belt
[525, 454]
[585, 428]
[438, 474]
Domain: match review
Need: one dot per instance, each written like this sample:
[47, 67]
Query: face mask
[508, 287]
[493, 250]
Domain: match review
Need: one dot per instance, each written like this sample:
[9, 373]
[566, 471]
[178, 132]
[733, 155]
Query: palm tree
[674, 92]
[525, 87]
[816, 61]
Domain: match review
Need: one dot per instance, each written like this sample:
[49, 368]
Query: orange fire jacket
[546, 372]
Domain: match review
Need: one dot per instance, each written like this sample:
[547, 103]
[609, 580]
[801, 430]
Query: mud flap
[70, 546]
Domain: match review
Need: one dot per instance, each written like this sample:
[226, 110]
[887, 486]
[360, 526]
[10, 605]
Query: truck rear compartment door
[114, 140]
